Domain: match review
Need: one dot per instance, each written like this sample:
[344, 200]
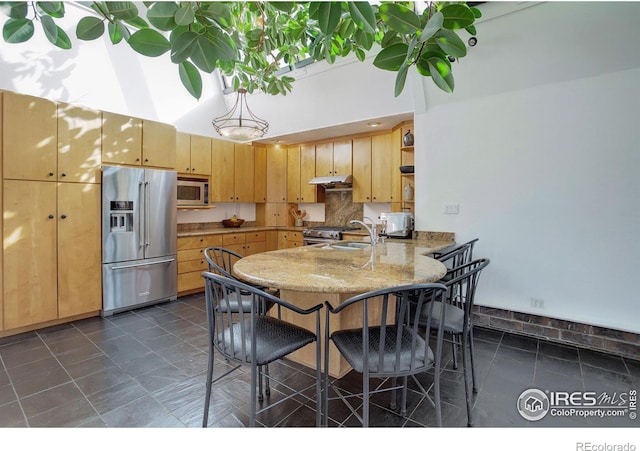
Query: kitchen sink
[349, 245]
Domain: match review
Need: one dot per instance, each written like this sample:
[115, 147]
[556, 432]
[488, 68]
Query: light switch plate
[451, 209]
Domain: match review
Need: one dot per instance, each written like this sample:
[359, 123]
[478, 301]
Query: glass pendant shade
[240, 124]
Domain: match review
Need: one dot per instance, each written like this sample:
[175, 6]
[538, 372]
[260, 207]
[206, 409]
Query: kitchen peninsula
[310, 275]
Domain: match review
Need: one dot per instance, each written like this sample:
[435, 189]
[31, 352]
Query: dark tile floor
[146, 368]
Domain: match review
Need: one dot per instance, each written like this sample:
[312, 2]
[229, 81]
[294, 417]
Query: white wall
[539, 147]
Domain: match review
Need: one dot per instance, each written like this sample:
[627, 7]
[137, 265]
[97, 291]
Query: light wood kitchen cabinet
[30, 138]
[288, 239]
[221, 188]
[272, 214]
[362, 169]
[244, 173]
[260, 171]
[334, 158]
[79, 144]
[301, 162]
[193, 154]
[276, 174]
[233, 168]
[381, 170]
[245, 243]
[191, 261]
[79, 249]
[158, 144]
[121, 139]
[52, 256]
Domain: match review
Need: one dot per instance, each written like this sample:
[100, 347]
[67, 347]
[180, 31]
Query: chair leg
[454, 350]
[267, 387]
[436, 388]
[260, 394]
[207, 399]
[473, 365]
[254, 377]
[365, 401]
[403, 408]
[467, 382]
[393, 404]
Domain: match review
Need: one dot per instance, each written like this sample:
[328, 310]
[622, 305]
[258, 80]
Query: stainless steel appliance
[397, 224]
[139, 234]
[192, 192]
[324, 234]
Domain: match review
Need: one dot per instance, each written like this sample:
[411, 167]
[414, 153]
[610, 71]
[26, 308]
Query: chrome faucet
[373, 235]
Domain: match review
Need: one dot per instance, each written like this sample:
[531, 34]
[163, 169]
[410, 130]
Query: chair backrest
[221, 260]
[399, 346]
[458, 256]
[462, 285]
[230, 329]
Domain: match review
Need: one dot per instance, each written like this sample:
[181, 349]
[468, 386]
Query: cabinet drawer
[254, 248]
[293, 243]
[294, 236]
[190, 254]
[190, 281]
[192, 265]
[254, 237]
[233, 238]
[200, 241]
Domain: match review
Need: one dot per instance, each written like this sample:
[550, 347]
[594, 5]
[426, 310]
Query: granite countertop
[322, 269]
[221, 230]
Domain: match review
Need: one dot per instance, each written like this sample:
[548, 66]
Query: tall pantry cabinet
[51, 259]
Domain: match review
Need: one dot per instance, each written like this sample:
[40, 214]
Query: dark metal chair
[249, 338]
[220, 261]
[457, 256]
[457, 311]
[390, 343]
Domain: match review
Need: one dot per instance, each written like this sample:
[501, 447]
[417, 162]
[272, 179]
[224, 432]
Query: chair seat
[453, 320]
[275, 339]
[349, 343]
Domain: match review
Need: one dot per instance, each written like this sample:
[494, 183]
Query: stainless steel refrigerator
[139, 234]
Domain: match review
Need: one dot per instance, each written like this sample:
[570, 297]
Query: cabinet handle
[201, 240]
[193, 169]
[146, 160]
[137, 159]
[64, 216]
[51, 216]
[50, 174]
[64, 175]
[187, 169]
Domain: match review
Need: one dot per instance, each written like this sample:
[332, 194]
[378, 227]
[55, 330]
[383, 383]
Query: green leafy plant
[251, 41]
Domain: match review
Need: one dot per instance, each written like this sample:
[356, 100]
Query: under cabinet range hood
[333, 182]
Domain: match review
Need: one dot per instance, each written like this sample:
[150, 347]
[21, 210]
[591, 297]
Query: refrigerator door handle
[169, 260]
[147, 214]
[141, 218]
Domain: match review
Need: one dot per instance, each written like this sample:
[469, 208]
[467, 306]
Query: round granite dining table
[310, 275]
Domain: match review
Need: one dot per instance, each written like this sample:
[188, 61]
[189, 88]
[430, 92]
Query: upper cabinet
[233, 168]
[362, 169]
[276, 174]
[244, 173]
[136, 142]
[79, 144]
[30, 138]
[50, 141]
[300, 169]
[158, 144]
[193, 154]
[260, 171]
[333, 158]
[375, 169]
[121, 139]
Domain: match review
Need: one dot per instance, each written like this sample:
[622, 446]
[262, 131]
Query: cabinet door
[200, 155]
[381, 168]
[222, 171]
[244, 173]
[260, 170]
[79, 249]
[121, 139]
[183, 152]
[308, 193]
[30, 138]
[275, 214]
[362, 169]
[29, 235]
[293, 174]
[342, 157]
[276, 174]
[324, 159]
[79, 144]
[158, 144]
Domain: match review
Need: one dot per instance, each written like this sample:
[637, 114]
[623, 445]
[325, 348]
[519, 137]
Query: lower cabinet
[191, 261]
[52, 251]
[288, 239]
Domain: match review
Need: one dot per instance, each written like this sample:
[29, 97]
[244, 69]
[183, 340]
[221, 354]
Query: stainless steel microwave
[193, 192]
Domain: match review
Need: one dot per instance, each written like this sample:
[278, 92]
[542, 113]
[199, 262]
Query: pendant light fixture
[240, 124]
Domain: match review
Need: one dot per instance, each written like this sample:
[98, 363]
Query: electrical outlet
[451, 209]
[537, 303]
